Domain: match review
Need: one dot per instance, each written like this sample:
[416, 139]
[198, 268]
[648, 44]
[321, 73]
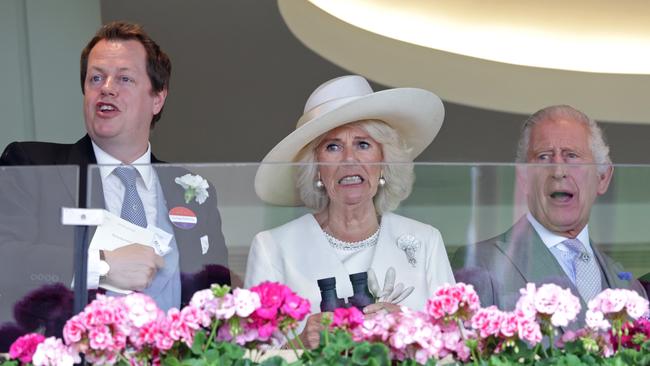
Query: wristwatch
[104, 268]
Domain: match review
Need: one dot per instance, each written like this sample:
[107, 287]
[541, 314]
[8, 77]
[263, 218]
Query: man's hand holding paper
[134, 254]
[132, 267]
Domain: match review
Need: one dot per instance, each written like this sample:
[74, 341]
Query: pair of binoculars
[360, 298]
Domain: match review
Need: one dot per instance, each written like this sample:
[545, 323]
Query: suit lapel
[387, 254]
[533, 260]
[528, 253]
[81, 154]
[172, 195]
[536, 263]
[610, 270]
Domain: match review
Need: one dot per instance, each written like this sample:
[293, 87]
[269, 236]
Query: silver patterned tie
[132, 208]
[586, 270]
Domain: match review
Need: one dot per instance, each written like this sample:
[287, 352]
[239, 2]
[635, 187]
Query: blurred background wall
[239, 83]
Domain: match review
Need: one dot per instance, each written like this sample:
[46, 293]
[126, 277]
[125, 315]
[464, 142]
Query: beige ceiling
[489, 54]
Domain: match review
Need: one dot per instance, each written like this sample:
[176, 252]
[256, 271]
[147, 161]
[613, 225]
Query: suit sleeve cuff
[93, 269]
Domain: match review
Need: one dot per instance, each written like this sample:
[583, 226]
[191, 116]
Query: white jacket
[298, 254]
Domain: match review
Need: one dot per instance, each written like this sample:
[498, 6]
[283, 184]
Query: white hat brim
[416, 114]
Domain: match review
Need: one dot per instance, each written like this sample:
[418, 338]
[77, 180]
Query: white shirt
[113, 189]
[554, 243]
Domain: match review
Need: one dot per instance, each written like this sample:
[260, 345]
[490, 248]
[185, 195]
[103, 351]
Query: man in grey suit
[551, 243]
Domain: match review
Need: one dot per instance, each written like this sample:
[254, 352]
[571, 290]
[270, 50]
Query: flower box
[246, 327]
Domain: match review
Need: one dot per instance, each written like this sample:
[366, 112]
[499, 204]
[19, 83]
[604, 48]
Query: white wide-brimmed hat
[415, 114]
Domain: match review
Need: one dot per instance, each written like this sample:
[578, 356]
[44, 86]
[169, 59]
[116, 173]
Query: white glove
[390, 293]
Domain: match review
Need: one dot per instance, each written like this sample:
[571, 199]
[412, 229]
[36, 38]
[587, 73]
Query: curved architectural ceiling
[509, 55]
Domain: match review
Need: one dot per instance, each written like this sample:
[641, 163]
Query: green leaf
[244, 362]
[219, 290]
[199, 342]
[170, 361]
[409, 362]
[372, 354]
[211, 355]
[223, 353]
[274, 361]
[189, 194]
[193, 362]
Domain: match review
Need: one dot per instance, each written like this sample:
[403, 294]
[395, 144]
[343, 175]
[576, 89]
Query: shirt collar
[551, 239]
[108, 163]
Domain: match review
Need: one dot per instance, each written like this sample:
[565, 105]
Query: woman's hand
[310, 335]
[381, 306]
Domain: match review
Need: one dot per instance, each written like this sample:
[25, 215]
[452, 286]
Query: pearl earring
[319, 183]
[382, 181]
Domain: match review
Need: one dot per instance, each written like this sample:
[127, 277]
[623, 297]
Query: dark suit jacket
[500, 266]
[31, 201]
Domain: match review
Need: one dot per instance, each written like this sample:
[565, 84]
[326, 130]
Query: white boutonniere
[195, 187]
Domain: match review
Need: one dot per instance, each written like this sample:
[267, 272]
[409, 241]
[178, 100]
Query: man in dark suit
[551, 243]
[125, 80]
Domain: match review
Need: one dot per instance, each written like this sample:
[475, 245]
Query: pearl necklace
[335, 243]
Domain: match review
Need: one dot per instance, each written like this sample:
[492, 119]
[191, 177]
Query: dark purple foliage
[211, 274]
[9, 332]
[47, 308]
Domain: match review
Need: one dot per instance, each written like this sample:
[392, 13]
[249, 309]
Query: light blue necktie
[587, 273]
[132, 208]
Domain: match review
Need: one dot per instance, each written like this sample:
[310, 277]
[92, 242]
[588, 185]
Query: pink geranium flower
[488, 321]
[549, 303]
[529, 330]
[349, 318]
[295, 306]
[458, 301]
[140, 309]
[52, 352]
[272, 296]
[278, 305]
[24, 347]
[615, 304]
[245, 302]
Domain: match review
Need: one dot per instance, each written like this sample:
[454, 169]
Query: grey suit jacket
[500, 266]
[31, 230]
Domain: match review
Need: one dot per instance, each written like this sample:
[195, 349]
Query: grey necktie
[132, 208]
[586, 270]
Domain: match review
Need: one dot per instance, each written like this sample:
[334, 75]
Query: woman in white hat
[346, 141]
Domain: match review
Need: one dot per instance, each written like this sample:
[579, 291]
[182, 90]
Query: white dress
[298, 254]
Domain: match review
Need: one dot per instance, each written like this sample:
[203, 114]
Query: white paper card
[161, 240]
[116, 232]
[82, 216]
[205, 244]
